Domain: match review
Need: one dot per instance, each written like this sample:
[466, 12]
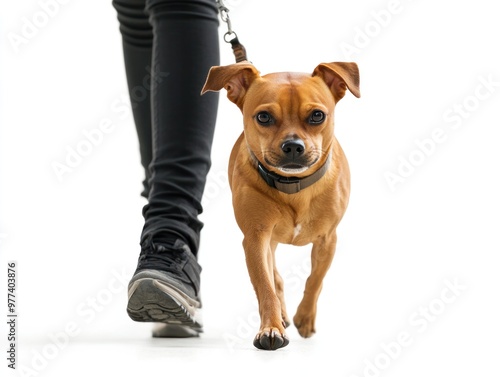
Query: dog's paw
[305, 324]
[270, 339]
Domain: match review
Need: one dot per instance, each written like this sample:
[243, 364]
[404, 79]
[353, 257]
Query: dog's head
[288, 117]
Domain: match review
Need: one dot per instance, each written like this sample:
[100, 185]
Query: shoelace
[162, 258]
[174, 259]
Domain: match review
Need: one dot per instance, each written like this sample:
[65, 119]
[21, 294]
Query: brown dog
[289, 179]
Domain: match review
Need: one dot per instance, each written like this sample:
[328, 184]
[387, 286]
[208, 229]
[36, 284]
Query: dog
[289, 179]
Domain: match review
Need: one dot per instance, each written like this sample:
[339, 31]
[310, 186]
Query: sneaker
[165, 288]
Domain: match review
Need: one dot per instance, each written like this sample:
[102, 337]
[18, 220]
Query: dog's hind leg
[321, 259]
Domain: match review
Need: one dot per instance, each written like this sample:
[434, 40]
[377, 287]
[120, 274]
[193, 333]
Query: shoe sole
[154, 300]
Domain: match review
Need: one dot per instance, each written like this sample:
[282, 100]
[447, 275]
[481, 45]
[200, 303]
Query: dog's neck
[290, 185]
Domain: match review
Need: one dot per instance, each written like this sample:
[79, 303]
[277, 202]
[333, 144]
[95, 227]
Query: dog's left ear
[339, 76]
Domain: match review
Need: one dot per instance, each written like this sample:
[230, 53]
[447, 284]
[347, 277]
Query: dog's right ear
[235, 78]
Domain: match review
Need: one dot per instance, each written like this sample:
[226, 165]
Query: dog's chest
[297, 230]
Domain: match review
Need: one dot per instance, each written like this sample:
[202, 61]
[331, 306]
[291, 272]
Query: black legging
[176, 42]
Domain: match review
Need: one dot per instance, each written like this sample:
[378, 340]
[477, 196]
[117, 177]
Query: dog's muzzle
[294, 159]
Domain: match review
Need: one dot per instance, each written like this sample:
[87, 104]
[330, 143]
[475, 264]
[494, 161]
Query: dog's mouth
[292, 168]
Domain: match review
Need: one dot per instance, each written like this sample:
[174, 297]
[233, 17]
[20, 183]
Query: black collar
[291, 185]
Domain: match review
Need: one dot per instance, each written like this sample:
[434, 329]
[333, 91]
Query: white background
[398, 249]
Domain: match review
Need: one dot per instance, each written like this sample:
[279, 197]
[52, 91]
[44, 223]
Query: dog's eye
[316, 117]
[264, 118]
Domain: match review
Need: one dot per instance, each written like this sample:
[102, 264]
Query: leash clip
[230, 36]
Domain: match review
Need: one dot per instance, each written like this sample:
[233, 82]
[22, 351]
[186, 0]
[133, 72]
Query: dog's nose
[293, 148]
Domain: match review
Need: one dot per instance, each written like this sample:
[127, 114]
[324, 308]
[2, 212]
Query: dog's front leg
[260, 264]
[321, 259]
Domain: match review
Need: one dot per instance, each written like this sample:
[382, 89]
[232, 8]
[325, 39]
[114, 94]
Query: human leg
[165, 287]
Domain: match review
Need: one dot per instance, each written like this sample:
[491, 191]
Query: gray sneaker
[165, 288]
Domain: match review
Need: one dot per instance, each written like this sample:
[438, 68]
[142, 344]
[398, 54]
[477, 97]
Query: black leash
[230, 36]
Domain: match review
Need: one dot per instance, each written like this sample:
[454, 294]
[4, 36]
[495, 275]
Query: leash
[239, 51]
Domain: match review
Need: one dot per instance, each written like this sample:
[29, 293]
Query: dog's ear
[235, 78]
[339, 76]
